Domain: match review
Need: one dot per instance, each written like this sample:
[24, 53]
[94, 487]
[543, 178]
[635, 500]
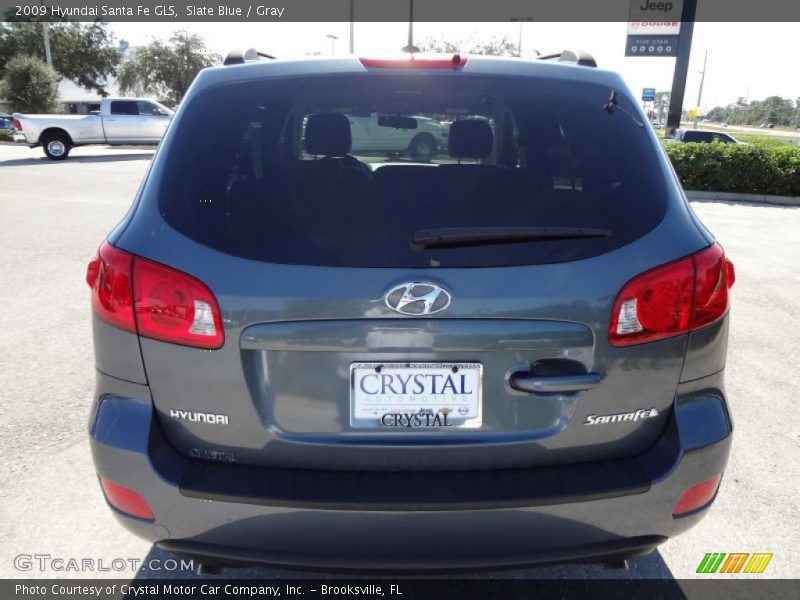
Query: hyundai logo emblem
[417, 298]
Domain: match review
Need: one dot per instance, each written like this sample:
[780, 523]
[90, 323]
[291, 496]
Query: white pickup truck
[129, 121]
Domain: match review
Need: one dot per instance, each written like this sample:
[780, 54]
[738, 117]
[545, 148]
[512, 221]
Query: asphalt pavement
[53, 216]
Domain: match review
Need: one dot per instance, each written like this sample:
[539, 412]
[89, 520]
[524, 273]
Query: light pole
[352, 29]
[410, 47]
[46, 33]
[333, 39]
[520, 20]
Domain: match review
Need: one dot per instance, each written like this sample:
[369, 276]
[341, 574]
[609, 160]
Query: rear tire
[56, 146]
[423, 147]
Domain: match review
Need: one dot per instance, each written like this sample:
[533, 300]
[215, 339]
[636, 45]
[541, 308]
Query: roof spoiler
[244, 55]
[575, 57]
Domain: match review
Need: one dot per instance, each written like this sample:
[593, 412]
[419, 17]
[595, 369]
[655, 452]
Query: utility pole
[700, 91]
[681, 66]
[352, 29]
[797, 113]
[46, 34]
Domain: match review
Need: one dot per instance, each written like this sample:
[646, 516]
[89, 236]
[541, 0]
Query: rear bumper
[232, 556]
[230, 514]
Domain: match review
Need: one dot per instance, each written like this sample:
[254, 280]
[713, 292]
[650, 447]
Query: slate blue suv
[505, 353]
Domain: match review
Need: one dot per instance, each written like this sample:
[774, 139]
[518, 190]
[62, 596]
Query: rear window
[342, 170]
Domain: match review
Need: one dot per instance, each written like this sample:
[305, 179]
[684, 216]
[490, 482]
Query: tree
[29, 85]
[166, 69]
[82, 52]
[774, 109]
[496, 46]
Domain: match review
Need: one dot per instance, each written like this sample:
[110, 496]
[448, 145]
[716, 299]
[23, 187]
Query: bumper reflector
[697, 496]
[126, 500]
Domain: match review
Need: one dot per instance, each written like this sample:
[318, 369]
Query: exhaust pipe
[621, 564]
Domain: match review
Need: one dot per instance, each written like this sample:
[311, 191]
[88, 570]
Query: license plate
[415, 396]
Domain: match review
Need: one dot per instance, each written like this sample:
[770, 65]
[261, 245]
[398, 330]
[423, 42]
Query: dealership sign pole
[664, 28]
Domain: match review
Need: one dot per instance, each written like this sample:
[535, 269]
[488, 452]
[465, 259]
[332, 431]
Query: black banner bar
[397, 589]
[445, 11]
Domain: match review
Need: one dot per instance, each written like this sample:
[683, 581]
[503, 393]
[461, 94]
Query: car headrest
[470, 138]
[328, 134]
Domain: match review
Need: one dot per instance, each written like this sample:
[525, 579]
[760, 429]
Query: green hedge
[742, 168]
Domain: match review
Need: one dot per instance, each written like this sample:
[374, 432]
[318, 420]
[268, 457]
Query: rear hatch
[386, 311]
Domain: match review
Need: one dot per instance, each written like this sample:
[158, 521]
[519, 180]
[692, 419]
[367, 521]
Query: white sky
[754, 60]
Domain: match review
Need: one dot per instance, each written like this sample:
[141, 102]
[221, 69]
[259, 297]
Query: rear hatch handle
[536, 384]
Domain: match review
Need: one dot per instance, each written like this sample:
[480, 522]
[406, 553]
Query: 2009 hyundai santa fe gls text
[501, 341]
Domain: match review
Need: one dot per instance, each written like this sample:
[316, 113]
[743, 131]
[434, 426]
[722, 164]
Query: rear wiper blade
[477, 236]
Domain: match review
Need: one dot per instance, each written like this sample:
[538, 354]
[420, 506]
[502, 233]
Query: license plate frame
[462, 411]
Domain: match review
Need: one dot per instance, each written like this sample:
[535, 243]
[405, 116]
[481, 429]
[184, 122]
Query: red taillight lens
[17, 125]
[711, 286]
[672, 299]
[175, 307]
[109, 276]
[453, 62]
[154, 300]
[126, 500]
[697, 496]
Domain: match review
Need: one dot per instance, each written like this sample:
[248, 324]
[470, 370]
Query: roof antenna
[410, 48]
[612, 102]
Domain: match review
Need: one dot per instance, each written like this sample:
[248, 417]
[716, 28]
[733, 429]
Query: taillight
[454, 62]
[154, 300]
[697, 496]
[126, 500]
[109, 276]
[17, 125]
[175, 307]
[672, 299]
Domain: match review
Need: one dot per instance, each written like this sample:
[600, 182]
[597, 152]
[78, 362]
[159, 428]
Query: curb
[702, 196]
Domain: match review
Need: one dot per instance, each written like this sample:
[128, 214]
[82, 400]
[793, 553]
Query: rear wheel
[56, 146]
[422, 147]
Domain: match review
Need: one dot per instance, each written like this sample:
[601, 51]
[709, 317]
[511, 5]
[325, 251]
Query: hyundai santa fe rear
[508, 350]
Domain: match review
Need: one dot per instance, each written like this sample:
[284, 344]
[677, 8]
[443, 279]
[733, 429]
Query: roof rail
[243, 55]
[576, 57]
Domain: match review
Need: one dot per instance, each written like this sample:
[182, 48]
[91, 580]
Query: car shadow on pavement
[43, 160]
[651, 566]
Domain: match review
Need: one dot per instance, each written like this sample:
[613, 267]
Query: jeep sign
[653, 28]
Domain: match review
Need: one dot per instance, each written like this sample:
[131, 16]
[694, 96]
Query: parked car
[704, 136]
[511, 353]
[6, 122]
[415, 136]
[120, 121]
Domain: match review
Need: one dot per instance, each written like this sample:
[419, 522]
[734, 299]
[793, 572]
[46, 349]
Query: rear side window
[124, 107]
[343, 170]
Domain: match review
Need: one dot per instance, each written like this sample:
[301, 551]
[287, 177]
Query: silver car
[509, 353]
